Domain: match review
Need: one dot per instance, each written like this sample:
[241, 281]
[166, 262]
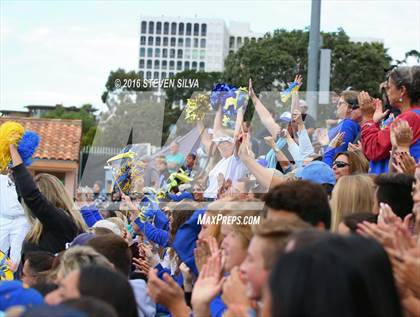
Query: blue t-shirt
[352, 131]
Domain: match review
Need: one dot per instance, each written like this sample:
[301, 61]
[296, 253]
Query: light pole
[313, 58]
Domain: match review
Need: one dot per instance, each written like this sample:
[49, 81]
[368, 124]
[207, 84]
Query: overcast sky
[62, 52]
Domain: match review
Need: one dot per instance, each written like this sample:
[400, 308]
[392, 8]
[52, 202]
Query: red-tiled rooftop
[60, 138]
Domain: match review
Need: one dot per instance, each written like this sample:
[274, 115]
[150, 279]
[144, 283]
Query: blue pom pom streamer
[27, 146]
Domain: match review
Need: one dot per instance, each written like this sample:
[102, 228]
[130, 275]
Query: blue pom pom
[220, 93]
[27, 146]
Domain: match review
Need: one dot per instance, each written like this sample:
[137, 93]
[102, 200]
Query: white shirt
[232, 168]
[9, 204]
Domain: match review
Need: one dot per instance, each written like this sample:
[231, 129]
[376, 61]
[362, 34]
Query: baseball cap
[15, 293]
[82, 239]
[108, 225]
[286, 117]
[317, 172]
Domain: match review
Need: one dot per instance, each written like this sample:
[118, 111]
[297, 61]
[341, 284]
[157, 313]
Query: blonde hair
[80, 256]
[352, 194]
[54, 191]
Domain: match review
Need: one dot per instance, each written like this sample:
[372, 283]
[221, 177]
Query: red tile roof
[60, 138]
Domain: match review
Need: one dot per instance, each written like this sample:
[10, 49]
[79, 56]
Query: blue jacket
[156, 235]
[90, 214]
[351, 131]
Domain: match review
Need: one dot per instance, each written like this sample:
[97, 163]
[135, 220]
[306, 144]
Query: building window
[157, 52]
[165, 53]
[142, 52]
[187, 42]
[157, 41]
[171, 65]
[166, 28]
[196, 29]
[246, 40]
[173, 41]
[188, 32]
[141, 73]
[195, 42]
[151, 27]
[164, 64]
[187, 54]
[149, 75]
[194, 66]
[186, 65]
[142, 40]
[202, 54]
[143, 27]
[181, 29]
[194, 54]
[171, 74]
[231, 42]
[141, 63]
[163, 75]
[159, 28]
[156, 75]
[150, 41]
[178, 65]
[165, 41]
[203, 29]
[149, 52]
[180, 41]
[172, 53]
[202, 66]
[173, 28]
[149, 64]
[253, 40]
[239, 41]
[179, 54]
[203, 43]
[157, 64]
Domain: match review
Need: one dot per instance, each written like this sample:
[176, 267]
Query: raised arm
[265, 116]
[218, 120]
[206, 139]
[263, 175]
[40, 206]
[295, 94]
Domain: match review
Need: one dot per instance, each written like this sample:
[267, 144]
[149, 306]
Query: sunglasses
[340, 164]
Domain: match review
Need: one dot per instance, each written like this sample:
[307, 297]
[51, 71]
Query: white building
[172, 45]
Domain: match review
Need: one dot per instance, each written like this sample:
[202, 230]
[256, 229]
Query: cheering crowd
[288, 221]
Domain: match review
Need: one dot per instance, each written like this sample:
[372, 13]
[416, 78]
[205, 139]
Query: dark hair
[44, 288]
[109, 286]
[306, 199]
[192, 155]
[358, 163]
[180, 214]
[395, 190]
[335, 276]
[93, 307]
[39, 261]
[351, 221]
[409, 77]
[350, 97]
[115, 249]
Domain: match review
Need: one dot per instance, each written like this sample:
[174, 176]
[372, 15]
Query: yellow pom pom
[10, 133]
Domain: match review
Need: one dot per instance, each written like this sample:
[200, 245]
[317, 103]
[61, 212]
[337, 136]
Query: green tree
[86, 113]
[277, 57]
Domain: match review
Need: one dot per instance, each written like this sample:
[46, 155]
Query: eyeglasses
[340, 164]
